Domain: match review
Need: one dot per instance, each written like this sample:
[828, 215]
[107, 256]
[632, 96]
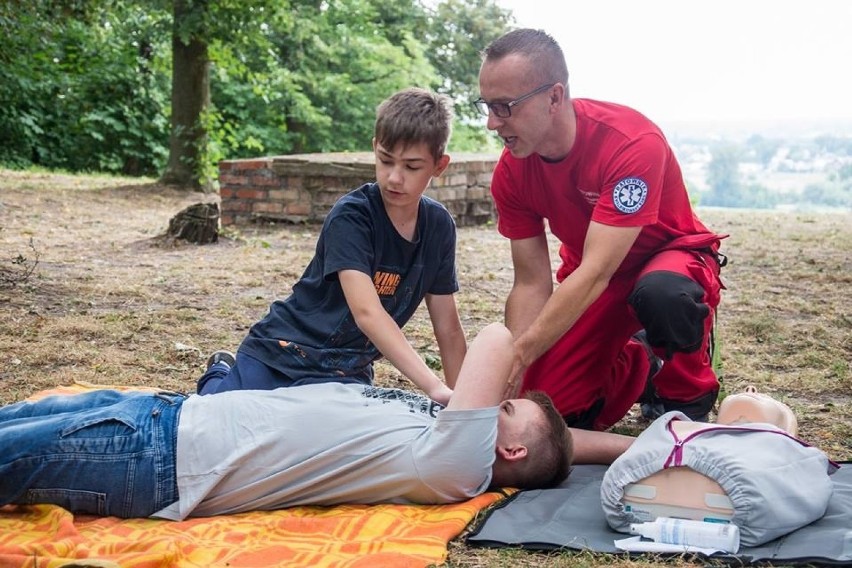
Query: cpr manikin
[684, 493]
[748, 468]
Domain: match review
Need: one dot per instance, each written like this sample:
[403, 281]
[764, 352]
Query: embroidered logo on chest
[590, 196]
[629, 195]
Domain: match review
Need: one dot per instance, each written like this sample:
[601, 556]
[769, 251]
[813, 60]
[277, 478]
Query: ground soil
[91, 290]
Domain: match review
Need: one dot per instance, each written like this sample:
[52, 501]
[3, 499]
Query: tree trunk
[197, 224]
[190, 95]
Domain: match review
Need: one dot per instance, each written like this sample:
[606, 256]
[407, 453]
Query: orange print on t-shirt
[386, 283]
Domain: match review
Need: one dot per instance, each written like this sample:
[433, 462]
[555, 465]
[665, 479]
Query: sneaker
[653, 406]
[649, 403]
[698, 410]
[225, 357]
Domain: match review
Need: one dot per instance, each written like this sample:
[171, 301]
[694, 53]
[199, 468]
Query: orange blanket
[353, 535]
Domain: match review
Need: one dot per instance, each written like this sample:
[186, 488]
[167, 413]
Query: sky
[725, 60]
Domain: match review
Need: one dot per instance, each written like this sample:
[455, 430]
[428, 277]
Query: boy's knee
[671, 308]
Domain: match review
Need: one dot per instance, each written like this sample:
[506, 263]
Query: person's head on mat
[138, 454]
[534, 448]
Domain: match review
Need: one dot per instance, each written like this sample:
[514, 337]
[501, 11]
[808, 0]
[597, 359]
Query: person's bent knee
[672, 309]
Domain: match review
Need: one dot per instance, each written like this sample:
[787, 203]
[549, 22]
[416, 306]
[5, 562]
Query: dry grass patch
[111, 302]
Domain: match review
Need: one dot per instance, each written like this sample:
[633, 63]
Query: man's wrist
[523, 349]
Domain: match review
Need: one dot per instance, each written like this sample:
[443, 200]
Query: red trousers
[595, 364]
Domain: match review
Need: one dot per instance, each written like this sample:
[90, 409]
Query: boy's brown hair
[414, 116]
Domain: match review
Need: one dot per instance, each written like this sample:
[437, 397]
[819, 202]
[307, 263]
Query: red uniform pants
[597, 371]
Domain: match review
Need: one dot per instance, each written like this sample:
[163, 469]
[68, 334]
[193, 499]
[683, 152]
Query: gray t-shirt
[327, 444]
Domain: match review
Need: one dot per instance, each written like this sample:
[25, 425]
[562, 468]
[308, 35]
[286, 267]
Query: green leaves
[86, 85]
[85, 91]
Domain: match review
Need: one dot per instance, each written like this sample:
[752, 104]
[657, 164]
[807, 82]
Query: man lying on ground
[167, 455]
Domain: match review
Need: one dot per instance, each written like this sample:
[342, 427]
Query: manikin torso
[687, 493]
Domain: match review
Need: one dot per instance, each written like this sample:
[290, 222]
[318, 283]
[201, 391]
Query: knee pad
[671, 308]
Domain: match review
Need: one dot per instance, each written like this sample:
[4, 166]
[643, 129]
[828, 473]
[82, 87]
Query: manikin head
[752, 406]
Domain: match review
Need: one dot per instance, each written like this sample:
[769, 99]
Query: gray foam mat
[570, 516]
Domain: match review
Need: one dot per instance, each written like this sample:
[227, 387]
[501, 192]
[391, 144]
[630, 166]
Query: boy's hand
[441, 393]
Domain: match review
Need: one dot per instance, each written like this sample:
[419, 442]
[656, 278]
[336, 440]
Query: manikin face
[526, 130]
[752, 406]
[404, 173]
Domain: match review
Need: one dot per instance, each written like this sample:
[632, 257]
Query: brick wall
[303, 187]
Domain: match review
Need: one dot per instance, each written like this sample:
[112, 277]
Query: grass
[111, 302]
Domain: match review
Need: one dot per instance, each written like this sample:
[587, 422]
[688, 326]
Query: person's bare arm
[382, 330]
[483, 378]
[531, 289]
[603, 252]
[485, 370]
[598, 447]
[452, 344]
[532, 285]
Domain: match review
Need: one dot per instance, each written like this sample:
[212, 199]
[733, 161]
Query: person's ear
[374, 143]
[557, 96]
[441, 165]
[512, 453]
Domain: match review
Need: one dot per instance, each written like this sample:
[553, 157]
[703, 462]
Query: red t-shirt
[620, 171]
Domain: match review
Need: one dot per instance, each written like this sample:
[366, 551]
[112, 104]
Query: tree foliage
[86, 85]
[727, 188]
[723, 176]
[72, 96]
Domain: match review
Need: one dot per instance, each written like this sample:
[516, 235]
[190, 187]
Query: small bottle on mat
[719, 536]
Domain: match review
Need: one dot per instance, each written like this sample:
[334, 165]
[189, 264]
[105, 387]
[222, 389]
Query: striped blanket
[46, 536]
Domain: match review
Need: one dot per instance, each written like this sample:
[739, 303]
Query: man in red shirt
[637, 266]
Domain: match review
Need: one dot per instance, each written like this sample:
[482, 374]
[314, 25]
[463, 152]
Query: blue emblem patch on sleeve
[629, 195]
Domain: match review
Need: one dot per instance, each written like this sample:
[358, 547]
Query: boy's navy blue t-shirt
[312, 333]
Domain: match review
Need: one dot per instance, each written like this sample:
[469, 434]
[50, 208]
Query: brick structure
[303, 187]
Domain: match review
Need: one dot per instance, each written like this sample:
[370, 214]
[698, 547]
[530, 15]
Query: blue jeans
[100, 453]
[249, 373]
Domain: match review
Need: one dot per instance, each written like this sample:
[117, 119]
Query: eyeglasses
[504, 110]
